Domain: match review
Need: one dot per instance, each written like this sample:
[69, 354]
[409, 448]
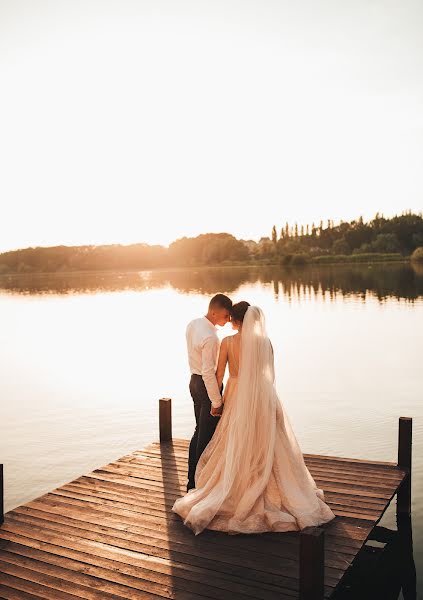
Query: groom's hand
[216, 412]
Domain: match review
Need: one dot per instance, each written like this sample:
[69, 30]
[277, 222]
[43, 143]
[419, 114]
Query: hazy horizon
[141, 121]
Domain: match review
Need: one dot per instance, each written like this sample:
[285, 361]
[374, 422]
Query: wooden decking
[112, 534]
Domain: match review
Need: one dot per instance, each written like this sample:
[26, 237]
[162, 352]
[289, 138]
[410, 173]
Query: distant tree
[417, 239]
[266, 247]
[341, 247]
[274, 235]
[385, 242]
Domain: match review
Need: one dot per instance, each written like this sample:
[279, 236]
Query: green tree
[341, 247]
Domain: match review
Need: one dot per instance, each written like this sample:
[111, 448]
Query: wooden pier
[112, 534]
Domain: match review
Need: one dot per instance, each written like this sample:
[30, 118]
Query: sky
[125, 121]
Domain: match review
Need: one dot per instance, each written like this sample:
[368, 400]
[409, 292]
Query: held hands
[216, 412]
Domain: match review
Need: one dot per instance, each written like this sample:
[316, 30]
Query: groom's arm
[209, 353]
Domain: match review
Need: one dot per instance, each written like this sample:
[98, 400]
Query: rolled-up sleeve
[209, 353]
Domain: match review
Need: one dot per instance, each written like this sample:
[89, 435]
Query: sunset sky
[127, 121]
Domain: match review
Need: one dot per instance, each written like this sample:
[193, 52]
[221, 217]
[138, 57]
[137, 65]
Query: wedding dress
[251, 477]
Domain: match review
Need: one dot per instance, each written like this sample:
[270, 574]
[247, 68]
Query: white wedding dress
[252, 477]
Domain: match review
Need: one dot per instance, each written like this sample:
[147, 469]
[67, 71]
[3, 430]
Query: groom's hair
[220, 301]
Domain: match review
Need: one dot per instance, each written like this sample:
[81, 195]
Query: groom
[203, 351]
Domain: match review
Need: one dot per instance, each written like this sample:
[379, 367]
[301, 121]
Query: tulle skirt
[288, 501]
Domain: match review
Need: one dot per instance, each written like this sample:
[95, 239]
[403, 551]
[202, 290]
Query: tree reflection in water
[382, 281]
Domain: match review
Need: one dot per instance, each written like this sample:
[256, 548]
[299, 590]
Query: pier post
[312, 563]
[404, 460]
[165, 419]
[1, 495]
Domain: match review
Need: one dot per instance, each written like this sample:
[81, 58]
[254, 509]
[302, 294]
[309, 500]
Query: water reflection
[385, 570]
[81, 368]
[381, 281]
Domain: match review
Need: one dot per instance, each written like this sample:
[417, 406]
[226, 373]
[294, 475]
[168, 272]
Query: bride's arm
[221, 363]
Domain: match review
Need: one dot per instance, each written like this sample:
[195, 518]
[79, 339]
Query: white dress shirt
[203, 353]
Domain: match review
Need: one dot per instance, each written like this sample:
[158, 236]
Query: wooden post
[1, 495]
[312, 563]
[404, 460]
[405, 558]
[165, 419]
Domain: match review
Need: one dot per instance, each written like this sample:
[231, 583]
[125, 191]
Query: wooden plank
[175, 479]
[94, 501]
[168, 586]
[152, 480]
[337, 542]
[183, 444]
[9, 593]
[338, 508]
[178, 575]
[337, 473]
[39, 591]
[262, 558]
[111, 583]
[218, 566]
[178, 457]
[178, 468]
[161, 503]
[57, 579]
[154, 496]
[112, 533]
[257, 569]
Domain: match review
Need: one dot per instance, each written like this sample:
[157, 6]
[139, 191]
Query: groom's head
[219, 309]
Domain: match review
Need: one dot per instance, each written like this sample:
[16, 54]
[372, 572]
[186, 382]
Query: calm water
[85, 358]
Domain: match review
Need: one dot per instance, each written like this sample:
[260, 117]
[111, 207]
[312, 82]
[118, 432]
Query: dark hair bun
[238, 310]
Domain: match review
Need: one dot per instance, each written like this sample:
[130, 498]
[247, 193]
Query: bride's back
[234, 345]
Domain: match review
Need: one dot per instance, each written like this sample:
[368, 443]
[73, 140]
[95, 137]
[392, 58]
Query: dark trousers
[205, 425]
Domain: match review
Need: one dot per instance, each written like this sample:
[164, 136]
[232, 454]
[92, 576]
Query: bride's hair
[238, 311]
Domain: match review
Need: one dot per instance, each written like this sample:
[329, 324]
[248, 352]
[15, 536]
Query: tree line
[397, 236]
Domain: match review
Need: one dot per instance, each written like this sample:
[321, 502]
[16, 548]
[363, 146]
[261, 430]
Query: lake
[84, 359]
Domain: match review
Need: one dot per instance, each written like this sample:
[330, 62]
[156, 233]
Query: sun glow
[146, 122]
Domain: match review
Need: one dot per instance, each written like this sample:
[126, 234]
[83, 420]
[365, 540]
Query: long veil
[250, 447]
[259, 446]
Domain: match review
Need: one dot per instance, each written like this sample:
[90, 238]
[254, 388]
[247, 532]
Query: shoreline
[278, 264]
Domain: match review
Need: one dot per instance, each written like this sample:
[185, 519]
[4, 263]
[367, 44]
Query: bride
[251, 477]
